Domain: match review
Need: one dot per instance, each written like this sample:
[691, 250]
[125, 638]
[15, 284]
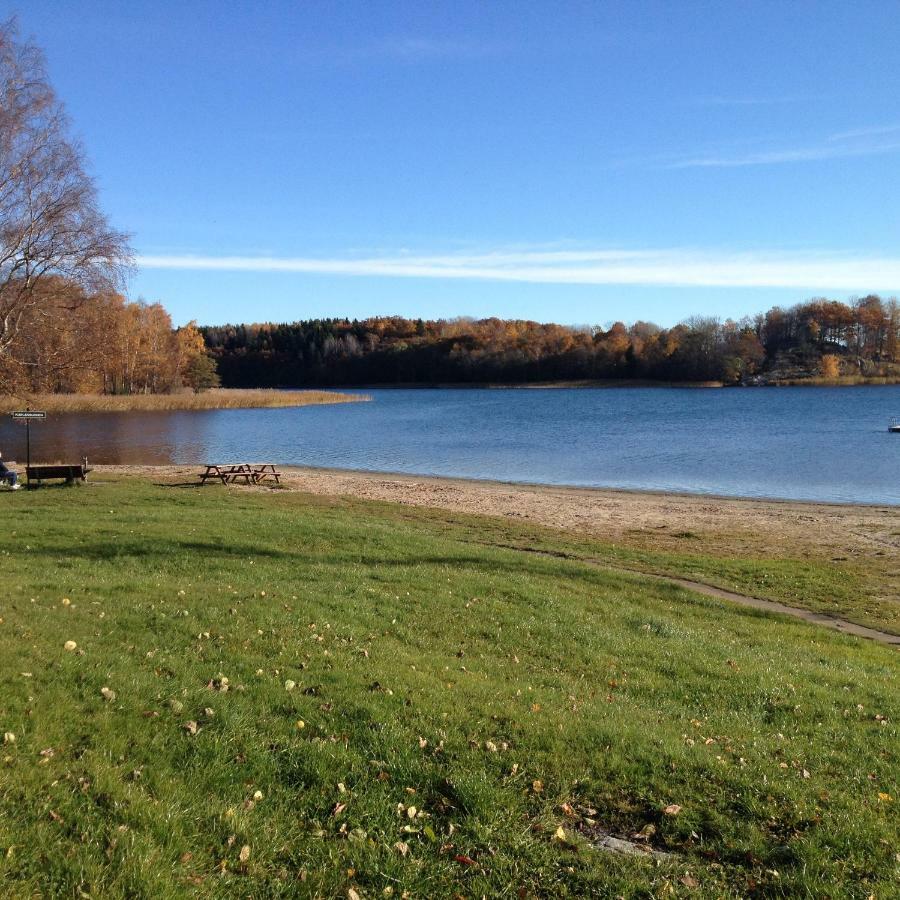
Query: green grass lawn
[454, 705]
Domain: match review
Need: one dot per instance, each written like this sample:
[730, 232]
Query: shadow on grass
[115, 551]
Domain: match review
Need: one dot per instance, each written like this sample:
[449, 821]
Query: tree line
[824, 338]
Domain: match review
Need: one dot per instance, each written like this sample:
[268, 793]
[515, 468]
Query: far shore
[221, 398]
[608, 383]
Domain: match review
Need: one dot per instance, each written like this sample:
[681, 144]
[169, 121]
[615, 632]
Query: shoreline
[663, 521]
[534, 486]
[609, 384]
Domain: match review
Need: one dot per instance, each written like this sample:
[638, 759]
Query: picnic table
[250, 473]
[262, 471]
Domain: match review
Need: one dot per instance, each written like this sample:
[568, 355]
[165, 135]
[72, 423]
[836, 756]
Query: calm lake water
[798, 443]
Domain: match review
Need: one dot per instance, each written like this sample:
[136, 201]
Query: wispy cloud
[666, 267]
[751, 100]
[875, 131]
[425, 49]
[873, 141]
[410, 49]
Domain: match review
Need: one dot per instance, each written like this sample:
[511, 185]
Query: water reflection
[127, 438]
[801, 443]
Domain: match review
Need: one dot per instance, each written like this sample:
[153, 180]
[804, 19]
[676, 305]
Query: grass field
[215, 399]
[272, 694]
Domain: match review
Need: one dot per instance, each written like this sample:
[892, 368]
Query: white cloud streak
[664, 268]
[752, 101]
[843, 145]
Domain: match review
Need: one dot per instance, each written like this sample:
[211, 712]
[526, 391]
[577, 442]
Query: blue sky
[571, 162]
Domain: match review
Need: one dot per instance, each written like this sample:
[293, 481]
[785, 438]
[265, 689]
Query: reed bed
[215, 399]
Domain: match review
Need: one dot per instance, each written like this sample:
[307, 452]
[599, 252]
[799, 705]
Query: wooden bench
[250, 473]
[69, 473]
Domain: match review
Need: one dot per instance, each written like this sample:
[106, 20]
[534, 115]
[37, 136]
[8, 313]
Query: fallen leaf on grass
[563, 839]
[108, 694]
[69, 645]
[244, 855]
[191, 727]
[537, 786]
[672, 809]
[464, 860]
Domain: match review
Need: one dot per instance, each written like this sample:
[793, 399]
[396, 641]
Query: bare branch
[50, 220]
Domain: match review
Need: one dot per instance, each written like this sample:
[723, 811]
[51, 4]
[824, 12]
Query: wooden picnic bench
[263, 471]
[40, 473]
[250, 473]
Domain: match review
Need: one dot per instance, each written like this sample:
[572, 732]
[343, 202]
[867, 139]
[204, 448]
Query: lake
[804, 443]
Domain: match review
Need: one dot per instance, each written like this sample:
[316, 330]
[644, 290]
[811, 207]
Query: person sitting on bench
[8, 475]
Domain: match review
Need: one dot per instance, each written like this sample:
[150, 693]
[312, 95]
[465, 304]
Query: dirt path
[806, 615]
[710, 590]
[845, 627]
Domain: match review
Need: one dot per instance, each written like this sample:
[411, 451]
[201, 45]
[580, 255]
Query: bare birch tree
[50, 222]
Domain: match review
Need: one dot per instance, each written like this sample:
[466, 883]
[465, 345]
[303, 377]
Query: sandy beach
[660, 521]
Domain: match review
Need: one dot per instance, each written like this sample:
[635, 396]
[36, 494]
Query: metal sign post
[28, 415]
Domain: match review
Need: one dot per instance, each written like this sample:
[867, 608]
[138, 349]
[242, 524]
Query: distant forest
[817, 340]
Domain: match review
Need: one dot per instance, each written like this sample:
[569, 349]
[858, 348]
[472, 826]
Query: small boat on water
[894, 426]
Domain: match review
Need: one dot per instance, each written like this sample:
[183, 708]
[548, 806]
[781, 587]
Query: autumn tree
[198, 369]
[51, 226]
[831, 366]
[892, 344]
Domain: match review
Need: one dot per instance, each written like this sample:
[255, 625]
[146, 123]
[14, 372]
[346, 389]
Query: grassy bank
[461, 718]
[216, 399]
[840, 381]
